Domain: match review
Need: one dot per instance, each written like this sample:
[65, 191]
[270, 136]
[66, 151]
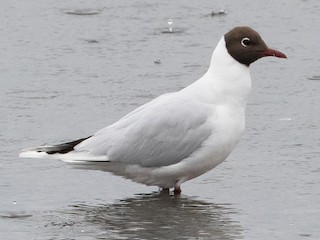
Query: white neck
[226, 82]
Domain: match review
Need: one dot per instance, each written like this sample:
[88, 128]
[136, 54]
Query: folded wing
[160, 133]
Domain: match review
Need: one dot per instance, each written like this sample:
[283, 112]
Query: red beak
[273, 53]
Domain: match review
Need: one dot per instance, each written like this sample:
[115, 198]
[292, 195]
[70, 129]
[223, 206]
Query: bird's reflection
[158, 216]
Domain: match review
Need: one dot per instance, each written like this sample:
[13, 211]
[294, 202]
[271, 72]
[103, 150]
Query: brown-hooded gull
[177, 136]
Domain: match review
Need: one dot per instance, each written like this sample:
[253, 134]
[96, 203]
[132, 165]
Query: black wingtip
[62, 148]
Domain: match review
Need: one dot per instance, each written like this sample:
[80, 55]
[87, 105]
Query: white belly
[228, 129]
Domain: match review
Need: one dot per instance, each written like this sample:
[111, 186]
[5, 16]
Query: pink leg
[177, 190]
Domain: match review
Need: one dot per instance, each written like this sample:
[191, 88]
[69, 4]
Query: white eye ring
[245, 42]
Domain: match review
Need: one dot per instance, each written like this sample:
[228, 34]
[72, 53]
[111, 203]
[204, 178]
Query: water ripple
[149, 216]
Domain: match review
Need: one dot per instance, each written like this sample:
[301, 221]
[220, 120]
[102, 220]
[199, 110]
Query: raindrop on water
[285, 119]
[219, 12]
[222, 11]
[170, 22]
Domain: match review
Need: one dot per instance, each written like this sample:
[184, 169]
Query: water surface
[68, 69]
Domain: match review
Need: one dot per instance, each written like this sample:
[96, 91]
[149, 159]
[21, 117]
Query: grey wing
[159, 134]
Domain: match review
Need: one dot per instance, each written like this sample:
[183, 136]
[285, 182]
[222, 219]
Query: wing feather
[159, 133]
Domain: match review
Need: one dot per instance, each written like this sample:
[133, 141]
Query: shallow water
[69, 68]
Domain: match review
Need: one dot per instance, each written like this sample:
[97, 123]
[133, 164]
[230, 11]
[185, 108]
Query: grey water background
[65, 74]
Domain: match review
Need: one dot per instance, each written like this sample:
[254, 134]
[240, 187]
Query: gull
[177, 136]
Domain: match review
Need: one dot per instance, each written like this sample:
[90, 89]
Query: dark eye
[245, 42]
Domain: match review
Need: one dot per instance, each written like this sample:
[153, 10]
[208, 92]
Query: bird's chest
[228, 125]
